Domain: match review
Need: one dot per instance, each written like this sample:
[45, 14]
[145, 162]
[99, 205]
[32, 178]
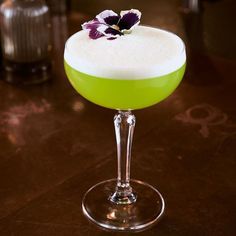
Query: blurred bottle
[58, 9]
[26, 41]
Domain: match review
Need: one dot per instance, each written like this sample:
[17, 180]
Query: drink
[111, 81]
[127, 72]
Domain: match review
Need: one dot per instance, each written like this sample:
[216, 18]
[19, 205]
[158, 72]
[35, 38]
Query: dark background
[54, 144]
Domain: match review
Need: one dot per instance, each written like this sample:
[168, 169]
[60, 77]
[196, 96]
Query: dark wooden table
[54, 144]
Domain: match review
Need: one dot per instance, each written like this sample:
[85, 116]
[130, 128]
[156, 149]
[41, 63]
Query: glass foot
[143, 213]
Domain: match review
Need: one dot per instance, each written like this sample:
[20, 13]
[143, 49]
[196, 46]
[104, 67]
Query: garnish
[111, 25]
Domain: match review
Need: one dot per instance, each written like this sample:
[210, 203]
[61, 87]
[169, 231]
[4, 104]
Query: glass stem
[124, 123]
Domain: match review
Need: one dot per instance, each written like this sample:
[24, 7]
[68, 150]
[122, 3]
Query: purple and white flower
[111, 25]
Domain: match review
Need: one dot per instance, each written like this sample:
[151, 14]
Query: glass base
[143, 213]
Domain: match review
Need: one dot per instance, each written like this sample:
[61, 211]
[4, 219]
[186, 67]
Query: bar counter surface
[55, 145]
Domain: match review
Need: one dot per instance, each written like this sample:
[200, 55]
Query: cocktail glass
[123, 204]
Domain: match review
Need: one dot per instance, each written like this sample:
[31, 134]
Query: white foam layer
[145, 53]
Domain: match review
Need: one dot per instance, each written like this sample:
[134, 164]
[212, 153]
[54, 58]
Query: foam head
[145, 53]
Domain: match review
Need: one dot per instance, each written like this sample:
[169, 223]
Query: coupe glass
[123, 204]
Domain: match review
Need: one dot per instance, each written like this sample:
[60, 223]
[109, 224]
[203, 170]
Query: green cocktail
[108, 87]
[127, 73]
[124, 94]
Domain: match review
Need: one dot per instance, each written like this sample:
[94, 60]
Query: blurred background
[54, 144]
[207, 23]
[207, 27]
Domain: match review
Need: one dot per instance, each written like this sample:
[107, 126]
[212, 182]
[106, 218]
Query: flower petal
[112, 32]
[108, 17]
[109, 31]
[129, 19]
[93, 26]
[95, 34]
[111, 38]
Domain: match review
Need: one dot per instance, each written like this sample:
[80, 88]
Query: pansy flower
[111, 25]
